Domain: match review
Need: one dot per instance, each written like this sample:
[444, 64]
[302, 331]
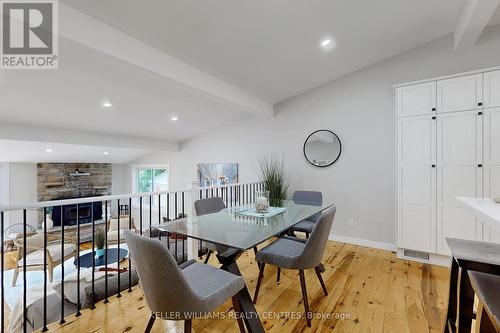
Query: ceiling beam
[475, 16]
[94, 34]
[12, 131]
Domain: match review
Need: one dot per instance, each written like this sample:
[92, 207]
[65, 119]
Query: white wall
[22, 191]
[120, 178]
[4, 183]
[360, 109]
[4, 188]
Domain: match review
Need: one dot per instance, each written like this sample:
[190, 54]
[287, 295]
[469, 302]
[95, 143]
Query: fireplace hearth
[69, 214]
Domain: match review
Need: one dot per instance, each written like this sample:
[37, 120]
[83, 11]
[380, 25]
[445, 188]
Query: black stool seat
[470, 250]
[487, 289]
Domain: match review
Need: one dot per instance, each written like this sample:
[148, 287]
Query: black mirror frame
[327, 165]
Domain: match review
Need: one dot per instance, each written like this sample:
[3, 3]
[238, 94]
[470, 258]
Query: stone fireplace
[57, 181]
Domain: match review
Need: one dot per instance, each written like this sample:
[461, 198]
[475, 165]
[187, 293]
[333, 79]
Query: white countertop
[484, 208]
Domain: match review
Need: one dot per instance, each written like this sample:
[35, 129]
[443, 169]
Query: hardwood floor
[369, 291]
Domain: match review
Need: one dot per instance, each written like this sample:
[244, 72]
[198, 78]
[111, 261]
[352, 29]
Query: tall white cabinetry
[448, 145]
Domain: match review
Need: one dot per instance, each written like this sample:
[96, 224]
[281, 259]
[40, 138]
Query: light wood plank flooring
[375, 290]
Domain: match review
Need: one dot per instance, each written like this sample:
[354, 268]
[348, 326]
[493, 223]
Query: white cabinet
[419, 99]
[417, 183]
[459, 173]
[492, 162]
[459, 93]
[491, 82]
[451, 151]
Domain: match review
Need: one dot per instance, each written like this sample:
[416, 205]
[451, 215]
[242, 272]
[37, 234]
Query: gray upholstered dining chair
[311, 198]
[180, 293]
[209, 206]
[300, 254]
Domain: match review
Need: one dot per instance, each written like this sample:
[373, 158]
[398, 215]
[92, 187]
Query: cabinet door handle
[480, 113]
[480, 104]
[433, 109]
[433, 117]
[479, 165]
[433, 166]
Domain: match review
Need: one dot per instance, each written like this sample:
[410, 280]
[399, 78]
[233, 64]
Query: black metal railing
[149, 209]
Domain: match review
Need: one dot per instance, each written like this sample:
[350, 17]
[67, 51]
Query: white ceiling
[143, 102]
[33, 152]
[270, 48]
[495, 20]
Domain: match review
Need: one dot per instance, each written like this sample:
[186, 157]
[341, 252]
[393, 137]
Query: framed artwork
[216, 174]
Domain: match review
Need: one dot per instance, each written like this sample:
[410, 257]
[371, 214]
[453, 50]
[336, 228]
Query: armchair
[35, 252]
[114, 233]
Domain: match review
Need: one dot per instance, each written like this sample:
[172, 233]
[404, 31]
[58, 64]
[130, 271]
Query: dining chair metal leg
[150, 324]
[320, 278]
[259, 281]
[307, 235]
[188, 324]
[304, 297]
[278, 275]
[239, 313]
[208, 256]
[255, 250]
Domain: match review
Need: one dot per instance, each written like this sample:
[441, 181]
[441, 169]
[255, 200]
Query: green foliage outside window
[151, 180]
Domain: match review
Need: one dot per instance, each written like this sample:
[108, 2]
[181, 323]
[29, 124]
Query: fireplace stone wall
[55, 182]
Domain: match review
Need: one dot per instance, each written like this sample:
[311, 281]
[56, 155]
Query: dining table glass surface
[228, 228]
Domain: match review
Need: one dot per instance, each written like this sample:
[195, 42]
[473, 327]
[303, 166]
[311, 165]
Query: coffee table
[113, 257]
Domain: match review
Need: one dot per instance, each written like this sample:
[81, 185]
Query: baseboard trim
[364, 242]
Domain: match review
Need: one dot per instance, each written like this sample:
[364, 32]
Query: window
[152, 180]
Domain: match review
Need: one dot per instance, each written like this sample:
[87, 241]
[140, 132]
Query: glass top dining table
[228, 228]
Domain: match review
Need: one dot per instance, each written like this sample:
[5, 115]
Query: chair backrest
[124, 223]
[315, 245]
[34, 242]
[311, 198]
[162, 281]
[209, 205]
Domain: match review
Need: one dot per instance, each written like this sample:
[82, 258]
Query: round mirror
[322, 148]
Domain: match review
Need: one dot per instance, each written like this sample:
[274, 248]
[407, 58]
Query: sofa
[34, 312]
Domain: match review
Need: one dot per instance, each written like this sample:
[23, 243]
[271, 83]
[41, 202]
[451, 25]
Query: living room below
[22, 183]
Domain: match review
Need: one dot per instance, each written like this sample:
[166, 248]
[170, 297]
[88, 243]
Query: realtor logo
[29, 34]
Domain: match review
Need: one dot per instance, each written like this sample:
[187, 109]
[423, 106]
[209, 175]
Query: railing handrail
[64, 202]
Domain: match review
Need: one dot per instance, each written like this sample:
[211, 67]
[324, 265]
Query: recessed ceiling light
[174, 118]
[48, 150]
[327, 44]
[106, 153]
[107, 105]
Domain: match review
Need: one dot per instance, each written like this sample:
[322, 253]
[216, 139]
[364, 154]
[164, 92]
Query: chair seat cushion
[282, 253]
[36, 257]
[488, 253]
[304, 226]
[214, 286]
[486, 287]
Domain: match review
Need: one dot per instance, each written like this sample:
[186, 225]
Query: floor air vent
[416, 254]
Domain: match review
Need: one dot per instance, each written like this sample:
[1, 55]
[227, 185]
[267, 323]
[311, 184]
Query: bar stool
[467, 256]
[487, 289]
